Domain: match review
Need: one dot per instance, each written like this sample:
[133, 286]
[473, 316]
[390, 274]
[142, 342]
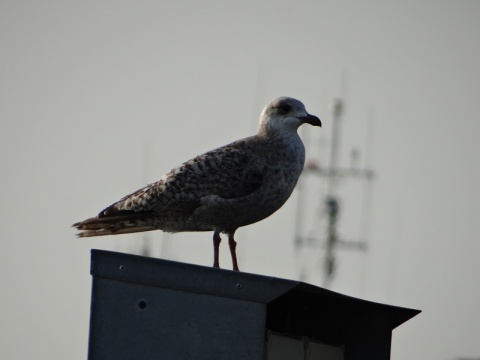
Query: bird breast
[283, 161]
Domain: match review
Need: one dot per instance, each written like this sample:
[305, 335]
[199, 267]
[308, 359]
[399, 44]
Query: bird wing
[228, 172]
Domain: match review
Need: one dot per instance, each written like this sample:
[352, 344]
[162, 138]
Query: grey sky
[99, 98]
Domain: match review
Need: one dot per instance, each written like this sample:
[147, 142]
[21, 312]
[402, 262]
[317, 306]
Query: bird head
[286, 113]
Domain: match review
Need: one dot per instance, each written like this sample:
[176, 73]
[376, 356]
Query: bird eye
[284, 108]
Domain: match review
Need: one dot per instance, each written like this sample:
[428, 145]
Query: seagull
[221, 190]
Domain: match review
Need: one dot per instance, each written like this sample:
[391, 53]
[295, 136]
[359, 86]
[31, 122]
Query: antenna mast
[332, 174]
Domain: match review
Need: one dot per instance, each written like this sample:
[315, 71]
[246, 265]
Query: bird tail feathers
[114, 225]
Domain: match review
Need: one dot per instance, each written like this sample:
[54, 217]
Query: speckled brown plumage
[226, 188]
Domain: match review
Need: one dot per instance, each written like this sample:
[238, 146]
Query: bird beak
[310, 119]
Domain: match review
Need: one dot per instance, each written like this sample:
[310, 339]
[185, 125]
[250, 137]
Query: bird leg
[216, 245]
[233, 245]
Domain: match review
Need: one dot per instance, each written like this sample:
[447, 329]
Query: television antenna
[331, 203]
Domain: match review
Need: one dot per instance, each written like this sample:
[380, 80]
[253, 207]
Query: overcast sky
[99, 98]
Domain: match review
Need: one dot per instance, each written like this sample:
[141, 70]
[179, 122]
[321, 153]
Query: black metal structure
[146, 308]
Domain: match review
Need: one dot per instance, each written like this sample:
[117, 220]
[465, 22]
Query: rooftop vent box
[146, 308]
